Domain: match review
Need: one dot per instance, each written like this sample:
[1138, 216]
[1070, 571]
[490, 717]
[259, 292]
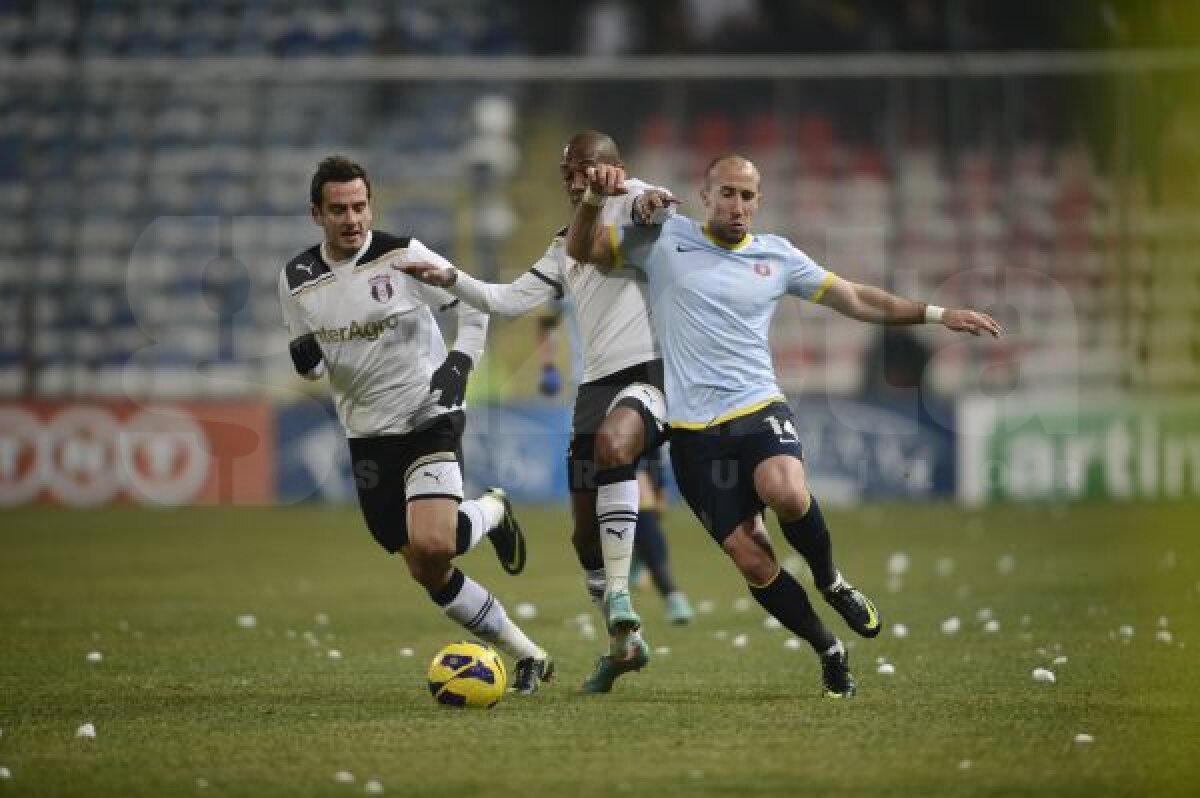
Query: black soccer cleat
[530, 672]
[854, 606]
[507, 537]
[836, 676]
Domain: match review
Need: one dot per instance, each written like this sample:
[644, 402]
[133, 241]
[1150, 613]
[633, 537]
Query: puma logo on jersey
[616, 533]
[432, 476]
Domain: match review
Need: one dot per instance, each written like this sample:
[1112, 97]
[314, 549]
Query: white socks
[480, 613]
[616, 514]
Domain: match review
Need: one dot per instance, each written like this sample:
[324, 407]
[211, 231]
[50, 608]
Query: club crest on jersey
[381, 287]
[762, 269]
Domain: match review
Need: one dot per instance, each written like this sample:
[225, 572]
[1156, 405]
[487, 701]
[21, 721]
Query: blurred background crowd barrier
[154, 169]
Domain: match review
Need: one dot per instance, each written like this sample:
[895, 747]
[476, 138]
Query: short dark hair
[336, 169]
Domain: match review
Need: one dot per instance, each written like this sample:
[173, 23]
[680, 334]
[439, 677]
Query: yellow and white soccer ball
[467, 674]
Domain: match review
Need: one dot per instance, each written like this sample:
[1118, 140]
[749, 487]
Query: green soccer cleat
[608, 668]
[507, 538]
[836, 676]
[679, 610]
[854, 606]
[619, 614]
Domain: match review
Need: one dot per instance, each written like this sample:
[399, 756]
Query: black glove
[306, 353]
[450, 379]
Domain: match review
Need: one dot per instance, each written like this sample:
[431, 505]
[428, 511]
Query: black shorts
[714, 467]
[591, 408]
[381, 465]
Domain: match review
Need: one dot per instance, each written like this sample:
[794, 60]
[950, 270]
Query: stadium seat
[12, 378]
[99, 169]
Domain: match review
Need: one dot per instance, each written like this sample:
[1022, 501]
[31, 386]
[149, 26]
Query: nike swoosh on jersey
[682, 248]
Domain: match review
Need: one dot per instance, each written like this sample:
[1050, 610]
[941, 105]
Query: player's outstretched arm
[510, 300]
[870, 304]
[433, 274]
[587, 239]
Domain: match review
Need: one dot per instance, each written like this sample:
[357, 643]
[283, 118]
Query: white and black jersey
[373, 327]
[613, 312]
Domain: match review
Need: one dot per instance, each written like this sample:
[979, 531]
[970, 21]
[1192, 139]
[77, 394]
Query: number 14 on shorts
[785, 431]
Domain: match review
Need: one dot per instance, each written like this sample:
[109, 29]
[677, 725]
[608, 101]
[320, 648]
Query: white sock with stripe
[482, 614]
[616, 514]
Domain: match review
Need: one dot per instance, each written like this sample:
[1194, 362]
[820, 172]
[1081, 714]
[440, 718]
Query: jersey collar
[745, 242]
[350, 261]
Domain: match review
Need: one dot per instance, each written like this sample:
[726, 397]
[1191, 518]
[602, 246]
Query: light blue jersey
[711, 307]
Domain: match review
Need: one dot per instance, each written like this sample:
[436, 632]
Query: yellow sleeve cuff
[614, 244]
[820, 292]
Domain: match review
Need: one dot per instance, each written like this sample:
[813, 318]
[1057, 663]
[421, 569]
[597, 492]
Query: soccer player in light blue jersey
[713, 289]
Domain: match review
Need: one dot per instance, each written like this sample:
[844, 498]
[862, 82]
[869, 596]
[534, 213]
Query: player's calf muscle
[431, 572]
[756, 564]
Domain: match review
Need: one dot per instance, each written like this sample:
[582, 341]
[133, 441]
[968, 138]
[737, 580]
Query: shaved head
[592, 145]
[729, 162]
[584, 149]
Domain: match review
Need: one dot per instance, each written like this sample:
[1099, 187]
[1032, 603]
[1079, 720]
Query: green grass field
[187, 702]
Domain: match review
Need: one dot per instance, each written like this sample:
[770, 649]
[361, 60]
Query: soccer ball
[467, 674]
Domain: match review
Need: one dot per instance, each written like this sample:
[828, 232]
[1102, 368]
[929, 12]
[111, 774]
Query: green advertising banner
[1031, 450]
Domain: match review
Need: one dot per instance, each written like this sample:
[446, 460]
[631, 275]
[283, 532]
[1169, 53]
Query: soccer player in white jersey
[399, 397]
[713, 288]
[651, 558]
[619, 408]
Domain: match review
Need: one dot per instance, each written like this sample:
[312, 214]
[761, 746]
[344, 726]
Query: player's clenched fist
[653, 206]
[606, 179]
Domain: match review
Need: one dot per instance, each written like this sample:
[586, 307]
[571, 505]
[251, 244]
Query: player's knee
[790, 503]
[614, 448]
[787, 498]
